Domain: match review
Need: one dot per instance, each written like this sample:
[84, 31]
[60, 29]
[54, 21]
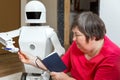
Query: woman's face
[80, 40]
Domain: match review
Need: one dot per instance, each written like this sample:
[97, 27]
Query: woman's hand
[27, 58]
[60, 76]
[32, 60]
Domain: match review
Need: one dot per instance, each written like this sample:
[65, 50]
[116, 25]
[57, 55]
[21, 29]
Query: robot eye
[33, 15]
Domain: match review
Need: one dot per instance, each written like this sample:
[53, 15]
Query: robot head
[35, 12]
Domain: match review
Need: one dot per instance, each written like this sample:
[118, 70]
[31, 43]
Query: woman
[91, 56]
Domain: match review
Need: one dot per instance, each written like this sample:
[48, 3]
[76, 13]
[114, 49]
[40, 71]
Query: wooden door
[9, 17]
[9, 20]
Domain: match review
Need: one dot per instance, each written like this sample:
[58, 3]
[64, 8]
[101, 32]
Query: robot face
[35, 12]
[33, 15]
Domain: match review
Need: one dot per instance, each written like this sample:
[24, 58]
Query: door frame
[66, 23]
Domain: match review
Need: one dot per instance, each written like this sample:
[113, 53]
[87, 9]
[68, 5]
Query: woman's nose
[73, 38]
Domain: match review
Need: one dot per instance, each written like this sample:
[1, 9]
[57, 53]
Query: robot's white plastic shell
[6, 38]
[39, 41]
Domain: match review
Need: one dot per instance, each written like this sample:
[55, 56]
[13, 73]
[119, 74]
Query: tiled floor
[15, 76]
[11, 67]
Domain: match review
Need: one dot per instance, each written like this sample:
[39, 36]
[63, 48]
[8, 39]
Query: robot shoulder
[50, 31]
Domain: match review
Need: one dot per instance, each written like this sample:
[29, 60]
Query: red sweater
[104, 66]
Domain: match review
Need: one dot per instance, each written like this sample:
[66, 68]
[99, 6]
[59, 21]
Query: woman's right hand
[26, 58]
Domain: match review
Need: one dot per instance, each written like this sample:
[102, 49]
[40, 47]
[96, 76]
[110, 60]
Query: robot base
[32, 76]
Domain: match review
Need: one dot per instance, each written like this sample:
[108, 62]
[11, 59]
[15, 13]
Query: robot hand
[8, 43]
[13, 50]
[10, 47]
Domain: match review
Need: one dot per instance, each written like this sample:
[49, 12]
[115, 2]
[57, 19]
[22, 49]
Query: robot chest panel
[33, 34]
[34, 41]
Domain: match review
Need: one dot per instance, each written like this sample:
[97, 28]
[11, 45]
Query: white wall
[110, 14]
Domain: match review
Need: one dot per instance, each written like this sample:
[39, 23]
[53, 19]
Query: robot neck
[35, 24]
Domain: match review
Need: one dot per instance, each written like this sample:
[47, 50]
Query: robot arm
[56, 43]
[7, 41]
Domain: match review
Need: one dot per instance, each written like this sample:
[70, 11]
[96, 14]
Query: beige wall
[23, 2]
[51, 8]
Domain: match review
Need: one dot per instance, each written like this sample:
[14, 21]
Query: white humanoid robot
[34, 39]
